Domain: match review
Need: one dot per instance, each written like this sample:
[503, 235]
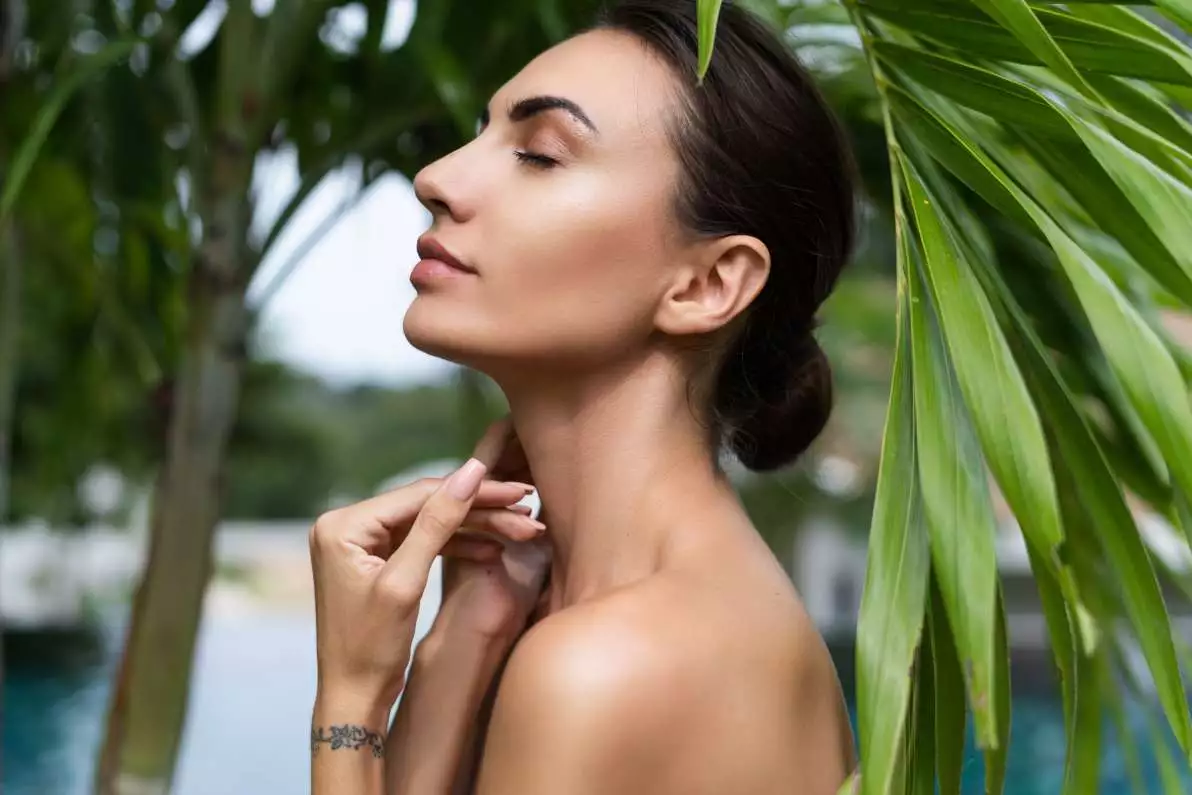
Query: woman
[637, 261]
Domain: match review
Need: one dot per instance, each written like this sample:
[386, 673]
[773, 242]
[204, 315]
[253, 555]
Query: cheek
[581, 273]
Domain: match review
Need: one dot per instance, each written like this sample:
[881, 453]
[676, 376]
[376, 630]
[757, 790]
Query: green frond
[1046, 366]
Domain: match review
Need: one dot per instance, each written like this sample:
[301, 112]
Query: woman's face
[572, 256]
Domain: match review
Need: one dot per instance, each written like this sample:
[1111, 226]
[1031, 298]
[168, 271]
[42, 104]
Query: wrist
[454, 664]
[453, 632]
[340, 702]
[459, 649]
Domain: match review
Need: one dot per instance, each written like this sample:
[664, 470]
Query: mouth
[431, 249]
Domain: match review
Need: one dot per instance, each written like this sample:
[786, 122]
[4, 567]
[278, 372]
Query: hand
[495, 599]
[371, 562]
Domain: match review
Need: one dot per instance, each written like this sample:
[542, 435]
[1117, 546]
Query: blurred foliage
[300, 445]
[279, 462]
[100, 296]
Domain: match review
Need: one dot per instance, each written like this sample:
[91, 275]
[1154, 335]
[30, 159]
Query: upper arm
[582, 708]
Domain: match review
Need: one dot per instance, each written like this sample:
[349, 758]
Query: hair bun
[775, 432]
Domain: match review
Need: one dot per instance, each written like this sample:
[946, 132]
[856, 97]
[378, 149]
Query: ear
[716, 281]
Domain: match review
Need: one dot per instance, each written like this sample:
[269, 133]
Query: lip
[430, 248]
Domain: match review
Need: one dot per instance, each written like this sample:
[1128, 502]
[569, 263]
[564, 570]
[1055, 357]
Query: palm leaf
[1059, 126]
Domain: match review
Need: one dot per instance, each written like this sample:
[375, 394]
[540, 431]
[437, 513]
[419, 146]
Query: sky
[339, 313]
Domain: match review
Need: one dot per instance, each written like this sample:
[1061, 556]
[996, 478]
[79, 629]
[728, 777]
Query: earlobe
[721, 280]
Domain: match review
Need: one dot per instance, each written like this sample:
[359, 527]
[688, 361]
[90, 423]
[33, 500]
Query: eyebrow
[532, 106]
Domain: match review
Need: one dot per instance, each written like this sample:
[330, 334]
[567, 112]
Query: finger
[479, 550]
[513, 523]
[440, 518]
[396, 509]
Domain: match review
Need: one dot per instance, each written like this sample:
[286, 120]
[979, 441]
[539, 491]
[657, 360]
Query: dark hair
[763, 155]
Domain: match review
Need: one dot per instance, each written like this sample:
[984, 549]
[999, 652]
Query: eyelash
[536, 160]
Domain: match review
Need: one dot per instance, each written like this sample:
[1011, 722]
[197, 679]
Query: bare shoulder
[588, 702]
[605, 659]
[679, 683]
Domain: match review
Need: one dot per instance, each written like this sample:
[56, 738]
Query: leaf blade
[1018, 17]
[956, 503]
[708, 13]
[893, 600]
[949, 698]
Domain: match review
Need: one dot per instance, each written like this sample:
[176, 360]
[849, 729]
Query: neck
[619, 461]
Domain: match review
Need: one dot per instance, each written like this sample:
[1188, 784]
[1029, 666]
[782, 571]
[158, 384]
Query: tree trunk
[149, 705]
[148, 708]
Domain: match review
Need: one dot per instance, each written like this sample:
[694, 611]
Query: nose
[429, 191]
[440, 188]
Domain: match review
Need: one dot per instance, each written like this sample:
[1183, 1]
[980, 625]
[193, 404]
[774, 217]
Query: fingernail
[462, 485]
[537, 525]
[526, 487]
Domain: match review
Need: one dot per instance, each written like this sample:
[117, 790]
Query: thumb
[440, 518]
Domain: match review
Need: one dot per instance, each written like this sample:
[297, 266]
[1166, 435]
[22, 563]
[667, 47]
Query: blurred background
[206, 237]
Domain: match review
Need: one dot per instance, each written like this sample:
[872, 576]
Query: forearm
[347, 746]
[469, 767]
[432, 741]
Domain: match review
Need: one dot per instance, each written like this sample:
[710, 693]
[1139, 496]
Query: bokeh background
[192, 150]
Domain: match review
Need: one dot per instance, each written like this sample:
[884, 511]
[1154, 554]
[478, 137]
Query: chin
[442, 333]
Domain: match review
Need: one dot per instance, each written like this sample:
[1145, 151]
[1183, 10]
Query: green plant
[1041, 182]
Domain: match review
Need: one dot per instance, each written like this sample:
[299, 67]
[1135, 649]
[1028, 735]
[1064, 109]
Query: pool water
[249, 722]
[248, 728]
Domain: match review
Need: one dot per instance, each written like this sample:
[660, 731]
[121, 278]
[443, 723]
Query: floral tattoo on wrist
[348, 736]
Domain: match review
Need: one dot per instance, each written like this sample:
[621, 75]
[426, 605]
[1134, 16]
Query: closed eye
[536, 160]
